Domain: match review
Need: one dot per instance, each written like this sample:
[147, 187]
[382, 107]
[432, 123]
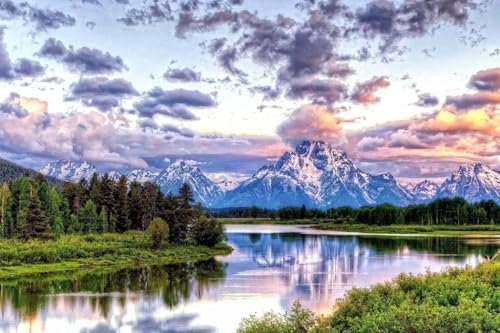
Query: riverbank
[457, 300]
[264, 220]
[75, 252]
[433, 230]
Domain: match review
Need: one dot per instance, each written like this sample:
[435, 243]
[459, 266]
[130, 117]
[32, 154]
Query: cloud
[364, 93]
[21, 68]
[182, 75]
[311, 122]
[85, 60]
[27, 67]
[477, 100]
[173, 103]
[12, 106]
[53, 48]
[427, 100]
[43, 19]
[393, 21]
[101, 92]
[150, 13]
[486, 80]
[483, 120]
[319, 91]
[185, 132]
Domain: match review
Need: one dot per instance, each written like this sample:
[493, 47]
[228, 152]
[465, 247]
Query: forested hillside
[10, 171]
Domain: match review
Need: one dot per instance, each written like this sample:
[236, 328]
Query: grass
[264, 220]
[445, 230]
[74, 252]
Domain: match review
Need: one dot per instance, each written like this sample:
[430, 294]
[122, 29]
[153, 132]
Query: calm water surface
[270, 268]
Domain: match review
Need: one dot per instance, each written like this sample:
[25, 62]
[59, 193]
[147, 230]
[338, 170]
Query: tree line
[442, 211]
[32, 209]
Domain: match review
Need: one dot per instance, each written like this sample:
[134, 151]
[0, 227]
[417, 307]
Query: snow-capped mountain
[423, 192]
[227, 185]
[204, 190]
[72, 171]
[316, 175]
[141, 176]
[473, 182]
[115, 176]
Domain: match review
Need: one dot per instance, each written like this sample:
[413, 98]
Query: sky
[408, 87]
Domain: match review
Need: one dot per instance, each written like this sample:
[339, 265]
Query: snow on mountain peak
[67, 170]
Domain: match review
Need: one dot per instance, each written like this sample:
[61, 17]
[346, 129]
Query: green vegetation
[264, 220]
[100, 223]
[450, 211]
[73, 252]
[458, 300]
[451, 230]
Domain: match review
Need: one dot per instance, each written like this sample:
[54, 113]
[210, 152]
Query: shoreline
[367, 230]
[165, 257]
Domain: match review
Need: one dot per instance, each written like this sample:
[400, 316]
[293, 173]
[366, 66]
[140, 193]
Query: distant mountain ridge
[314, 174]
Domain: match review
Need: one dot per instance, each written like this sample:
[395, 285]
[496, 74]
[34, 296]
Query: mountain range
[314, 174]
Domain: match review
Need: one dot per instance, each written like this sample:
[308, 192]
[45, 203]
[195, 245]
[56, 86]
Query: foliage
[102, 205]
[449, 211]
[296, 320]
[457, 300]
[158, 231]
[208, 232]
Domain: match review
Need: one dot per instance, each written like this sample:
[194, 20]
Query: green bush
[458, 300]
[158, 230]
[207, 232]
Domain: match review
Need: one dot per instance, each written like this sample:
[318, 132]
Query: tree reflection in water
[100, 289]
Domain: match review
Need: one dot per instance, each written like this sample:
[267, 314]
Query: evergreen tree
[73, 224]
[89, 221]
[5, 198]
[149, 204]
[186, 198]
[23, 189]
[134, 199]
[103, 217]
[122, 217]
[107, 198]
[95, 189]
[36, 225]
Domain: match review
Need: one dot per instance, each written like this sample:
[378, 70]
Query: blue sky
[233, 84]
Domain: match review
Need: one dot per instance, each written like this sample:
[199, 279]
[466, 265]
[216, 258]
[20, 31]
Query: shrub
[158, 230]
[208, 232]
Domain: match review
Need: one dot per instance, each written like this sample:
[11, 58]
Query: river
[269, 269]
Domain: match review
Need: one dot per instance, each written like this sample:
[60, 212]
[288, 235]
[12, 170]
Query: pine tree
[122, 216]
[95, 189]
[5, 197]
[36, 225]
[186, 198]
[107, 197]
[89, 221]
[149, 204]
[103, 217]
[22, 190]
[134, 199]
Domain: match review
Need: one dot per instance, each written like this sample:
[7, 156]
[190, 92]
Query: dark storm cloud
[12, 106]
[173, 103]
[43, 19]
[101, 92]
[86, 60]
[427, 100]
[486, 80]
[364, 92]
[182, 75]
